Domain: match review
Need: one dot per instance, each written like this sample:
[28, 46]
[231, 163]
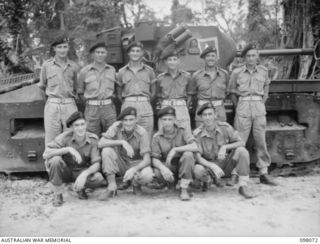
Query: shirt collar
[161, 130]
[92, 66]
[55, 61]
[168, 73]
[128, 66]
[204, 71]
[134, 130]
[88, 140]
[246, 69]
[205, 133]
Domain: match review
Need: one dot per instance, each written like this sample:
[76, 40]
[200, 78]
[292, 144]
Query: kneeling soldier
[126, 152]
[172, 151]
[221, 150]
[73, 155]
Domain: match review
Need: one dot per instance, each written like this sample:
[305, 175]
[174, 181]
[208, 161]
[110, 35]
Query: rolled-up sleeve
[58, 142]
[111, 133]
[232, 87]
[155, 148]
[95, 154]
[43, 77]
[188, 137]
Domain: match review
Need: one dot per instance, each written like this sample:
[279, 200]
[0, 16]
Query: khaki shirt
[178, 87]
[243, 83]
[163, 143]
[58, 81]
[136, 84]
[207, 88]
[209, 145]
[88, 150]
[97, 84]
[139, 140]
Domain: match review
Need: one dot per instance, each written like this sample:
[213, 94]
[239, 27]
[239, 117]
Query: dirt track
[291, 209]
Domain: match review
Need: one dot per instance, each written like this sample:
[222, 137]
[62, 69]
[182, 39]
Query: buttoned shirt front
[138, 139]
[209, 143]
[207, 88]
[59, 81]
[244, 82]
[162, 143]
[88, 149]
[178, 87]
[97, 84]
[136, 83]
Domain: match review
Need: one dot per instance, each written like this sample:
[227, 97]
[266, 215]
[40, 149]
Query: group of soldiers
[95, 148]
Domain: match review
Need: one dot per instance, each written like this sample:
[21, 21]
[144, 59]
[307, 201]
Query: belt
[60, 100]
[251, 98]
[173, 102]
[99, 102]
[137, 99]
[215, 103]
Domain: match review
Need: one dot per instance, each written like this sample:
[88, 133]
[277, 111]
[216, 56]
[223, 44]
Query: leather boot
[105, 195]
[184, 195]
[82, 194]
[57, 200]
[268, 180]
[124, 185]
[244, 191]
[233, 180]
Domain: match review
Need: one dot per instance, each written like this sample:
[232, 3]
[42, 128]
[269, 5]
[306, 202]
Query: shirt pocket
[53, 78]
[258, 83]
[91, 83]
[243, 82]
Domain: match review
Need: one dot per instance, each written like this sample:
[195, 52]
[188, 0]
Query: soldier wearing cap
[210, 84]
[136, 86]
[58, 77]
[174, 88]
[97, 87]
[172, 152]
[221, 150]
[249, 88]
[73, 156]
[126, 153]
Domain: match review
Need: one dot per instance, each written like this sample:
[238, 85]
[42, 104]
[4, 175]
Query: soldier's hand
[129, 174]
[75, 154]
[216, 170]
[128, 148]
[170, 157]
[222, 153]
[167, 174]
[80, 181]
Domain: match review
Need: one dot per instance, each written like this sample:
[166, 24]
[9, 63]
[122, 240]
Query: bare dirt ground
[290, 209]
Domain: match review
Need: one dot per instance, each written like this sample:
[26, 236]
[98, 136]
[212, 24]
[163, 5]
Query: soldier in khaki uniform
[172, 152]
[136, 86]
[249, 88]
[73, 156]
[210, 84]
[58, 78]
[174, 88]
[97, 86]
[221, 151]
[126, 152]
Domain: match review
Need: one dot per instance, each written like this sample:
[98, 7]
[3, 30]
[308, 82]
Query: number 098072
[309, 240]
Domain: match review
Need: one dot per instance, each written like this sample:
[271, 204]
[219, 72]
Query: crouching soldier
[73, 156]
[125, 152]
[221, 150]
[172, 152]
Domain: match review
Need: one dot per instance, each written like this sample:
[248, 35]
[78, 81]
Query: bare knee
[199, 171]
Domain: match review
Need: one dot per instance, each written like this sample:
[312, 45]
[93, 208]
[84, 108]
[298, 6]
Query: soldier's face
[135, 54]
[172, 62]
[79, 127]
[208, 117]
[211, 59]
[61, 50]
[167, 121]
[129, 122]
[252, 57]
[100, 55]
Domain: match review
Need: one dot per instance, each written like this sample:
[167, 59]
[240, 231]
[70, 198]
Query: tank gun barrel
[283, 52]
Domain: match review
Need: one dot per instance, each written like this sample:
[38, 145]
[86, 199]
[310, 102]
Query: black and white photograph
[159, 118]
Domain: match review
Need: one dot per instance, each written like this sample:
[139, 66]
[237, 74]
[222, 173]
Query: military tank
[293, 109]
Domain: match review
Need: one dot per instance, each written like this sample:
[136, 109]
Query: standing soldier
[125, 152]
[172, 152]
[174, 88]
[96, 87]
[211, 84]
[136, 86]
[221, 151]
[74, 156]
[249, 88]
[58, 78]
